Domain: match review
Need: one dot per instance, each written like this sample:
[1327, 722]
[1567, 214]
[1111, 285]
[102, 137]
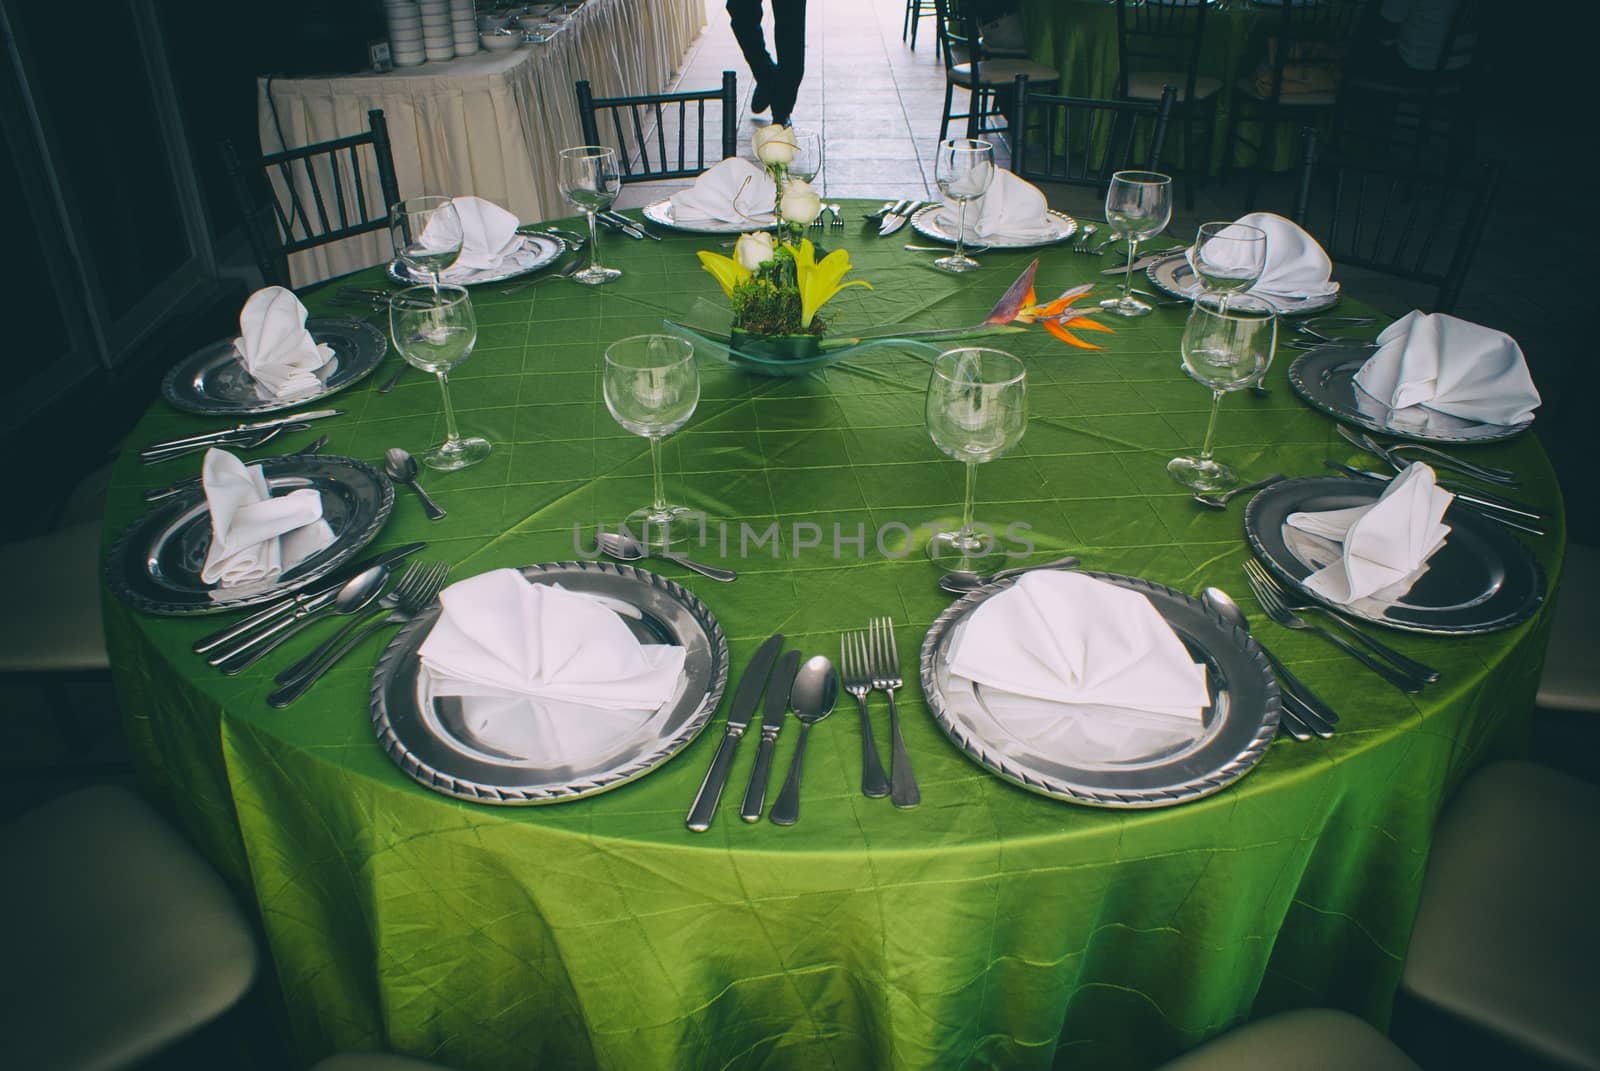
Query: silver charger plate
[1236, 728]
[213, 380]
[1176, 277]
[538, 251]
[660, 213]
[428, 737]
[1482, 579]
[1325, 377]
[155, 564]
[926, 223]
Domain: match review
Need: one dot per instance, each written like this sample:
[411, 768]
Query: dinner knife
[238, 429]
[620, 223]
[156, 494]
[898, 217]
[246, 440]
[744, 704]
[634, 229]
[1144, 262]
[1311, 711]
[778, 689]
[300, 598]
[1483, 500]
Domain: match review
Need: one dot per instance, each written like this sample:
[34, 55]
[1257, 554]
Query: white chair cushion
[1507, 936]
[1571, 679]
[1147, 85]
[1310, 1040]
[1001, 72]
[52, 619]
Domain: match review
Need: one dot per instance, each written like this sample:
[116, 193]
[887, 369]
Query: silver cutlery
[156, 494]
[778, 690]
[1320, 323]
[1148, 260]
[394, 377]
[1273, 606]
[357, 592]
[1420, 670]
[633, 230]
[1303, 714]
[816, 689]
[1499, 477]
[402, 468]
[402, 606]
[249, 440]
[959, 581]
[1508, 512]
[625, 548]
[242, 429]
[1082, 244]
[573, 265]
[903, 791]
[613, 222]
[880, 213]
[858, 682]
[353, 598]
[902, 214]
[1100, 250]
[1215, 501]
[744, 704]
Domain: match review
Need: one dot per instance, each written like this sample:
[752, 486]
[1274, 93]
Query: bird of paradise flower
[1019, 305]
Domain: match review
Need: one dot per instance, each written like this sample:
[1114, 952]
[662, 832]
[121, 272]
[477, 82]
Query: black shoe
[759, 99]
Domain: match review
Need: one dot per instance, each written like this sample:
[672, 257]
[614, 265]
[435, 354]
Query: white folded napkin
[1450, 366]
[733, 191]
[488, 235]
[1010, 208]
[275, 347]
[1384, 545]
[1296, 265]
[254, 536]
[545, 672]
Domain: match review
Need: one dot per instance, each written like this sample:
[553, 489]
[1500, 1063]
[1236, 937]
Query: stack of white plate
[437, 39]
[464, 27]
[405, 33]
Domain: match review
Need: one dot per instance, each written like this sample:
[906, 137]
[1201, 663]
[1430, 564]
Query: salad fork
[903, 791]
[1082, 245]
[857, 680]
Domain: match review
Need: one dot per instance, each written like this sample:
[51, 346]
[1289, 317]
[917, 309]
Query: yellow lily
[818, 281]
[727, 271]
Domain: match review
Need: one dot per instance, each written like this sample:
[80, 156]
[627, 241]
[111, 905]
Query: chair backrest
[1403, 221]
[1159, 37]
[318, 194]
[651, 132]
[1312, 34]
[959, 36]
[1081, 141]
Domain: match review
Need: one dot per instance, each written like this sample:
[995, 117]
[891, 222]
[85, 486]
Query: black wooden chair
[914, 15]
[1399, 220]
[987, 80]
[1158, 45]
[317, 193]
[1079, 141]
[641, 129]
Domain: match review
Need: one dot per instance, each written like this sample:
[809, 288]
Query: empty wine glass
[1138, 206]
[807, 155]
[651, 386]
[427, 235]
[977, 409]
[963, 170]
[1228, 257]
[435, 330]
[1225, 349]
[590, 181]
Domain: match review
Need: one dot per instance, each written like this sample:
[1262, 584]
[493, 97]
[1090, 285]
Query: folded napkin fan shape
[733, 191]
[487, 233]
[254, 536]
[1011, 208]
[275, 347]
[1451, 366]
[1296, 266]
[1384, 544]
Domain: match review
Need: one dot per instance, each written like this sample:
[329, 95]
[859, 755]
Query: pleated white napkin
[275, 347]
[1010, 208]
[1450, 366]
[1297, 267]
[490, 244]
[733, 191]
[544, 672]
[1385, 544]
[254, 536]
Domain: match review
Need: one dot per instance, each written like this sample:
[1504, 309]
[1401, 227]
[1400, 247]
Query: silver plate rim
[396, 270]
[403, 646]
[922, 223]
[187, 499]
[1192, 788]
[376, 342]
[1161, 275]
[660, 213]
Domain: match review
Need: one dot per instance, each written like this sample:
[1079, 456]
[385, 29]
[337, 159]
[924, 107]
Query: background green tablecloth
[989, 927]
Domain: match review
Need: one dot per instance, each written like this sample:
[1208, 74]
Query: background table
[489, 124]
[984, 928]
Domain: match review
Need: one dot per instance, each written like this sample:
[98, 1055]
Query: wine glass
[590, 181]
[964, 170]
[807, 155]
[1228, 257]
[652, 387]
[1225, 349]
[977, 409]
[427, 235]
[434, 328]
[1138, 206]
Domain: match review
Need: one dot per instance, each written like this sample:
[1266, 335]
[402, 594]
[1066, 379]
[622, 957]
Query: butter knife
[897, 217]
[634, 230]
[1483, 501]
[1144, 262]
[755, 796]
[238, 429]
[744, 704]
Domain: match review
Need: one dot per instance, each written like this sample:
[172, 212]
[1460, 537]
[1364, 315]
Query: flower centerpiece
[776, 290]
[796, 204]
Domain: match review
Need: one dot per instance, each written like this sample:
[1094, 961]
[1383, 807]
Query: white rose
[774, 144]
[753, 250]
[800, 203]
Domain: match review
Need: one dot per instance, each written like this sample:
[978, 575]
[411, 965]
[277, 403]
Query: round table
[989, 927]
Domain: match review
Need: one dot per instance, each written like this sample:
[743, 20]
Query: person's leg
[789, 39]
[744, 16]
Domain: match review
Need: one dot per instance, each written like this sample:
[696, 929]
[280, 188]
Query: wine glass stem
[1127, 276]
[594, 241]
[961, 228]
[434, 278]
[1211, 425]
[451, 435]
[659, 505]
[966, 507]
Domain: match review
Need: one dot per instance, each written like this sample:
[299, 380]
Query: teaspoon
[816, 687]
[402, 467]
[959, 582]
[1303, 713]
[1216, 501]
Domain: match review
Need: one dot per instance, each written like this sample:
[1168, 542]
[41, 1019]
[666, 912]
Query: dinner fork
[857, 679]
[403, 603]
[1272, 601]
[903, 791]
[1082, 245]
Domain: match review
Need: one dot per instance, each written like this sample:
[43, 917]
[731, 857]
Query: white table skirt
[489, 124]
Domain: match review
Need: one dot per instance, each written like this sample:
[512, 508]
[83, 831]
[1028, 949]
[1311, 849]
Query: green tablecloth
[988, 928]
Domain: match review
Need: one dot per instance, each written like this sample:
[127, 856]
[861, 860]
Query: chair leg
[944, 121]
[1194, 167]
[913, 16]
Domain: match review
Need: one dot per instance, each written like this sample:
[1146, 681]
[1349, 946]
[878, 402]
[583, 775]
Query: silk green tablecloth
[987, 928]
